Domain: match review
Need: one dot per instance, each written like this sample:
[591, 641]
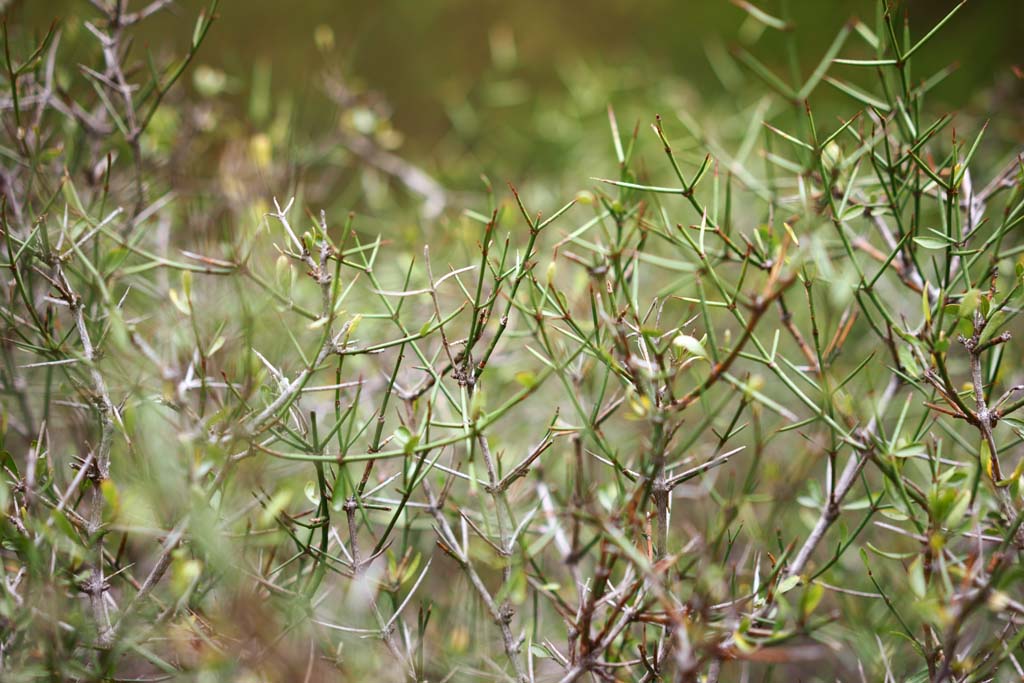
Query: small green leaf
[406, 439]
[895, 514]
[908, 361]
[956, 513]
[986, 306]
[787, 584]
[884, 553]
[64, 524]
[691, 345]
[539, 651]
[985, 457]
[909, 451]
[215, 346]
[915, 575]
[995, 322]
[926, 308]
[112, 498]
[969, 302]
[965, 327]
[933, 243]
[312, 492]
[526, 378]
[811, 599]
[186, 283]
[180, 303]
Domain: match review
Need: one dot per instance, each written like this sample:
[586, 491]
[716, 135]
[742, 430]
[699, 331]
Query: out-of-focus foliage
[721, 394]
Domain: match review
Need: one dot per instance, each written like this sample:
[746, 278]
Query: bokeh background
[512, 89]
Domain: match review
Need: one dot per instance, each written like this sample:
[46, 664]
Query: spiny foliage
[718, 416]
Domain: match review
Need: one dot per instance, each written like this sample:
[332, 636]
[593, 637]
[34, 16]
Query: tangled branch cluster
[756, 418]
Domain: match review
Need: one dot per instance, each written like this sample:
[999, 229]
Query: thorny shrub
[757, 417]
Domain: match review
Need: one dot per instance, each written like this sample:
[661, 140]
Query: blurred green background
[518, 90]
[418, 54]
[421, 54]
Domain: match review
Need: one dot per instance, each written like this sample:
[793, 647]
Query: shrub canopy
[743, 405]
